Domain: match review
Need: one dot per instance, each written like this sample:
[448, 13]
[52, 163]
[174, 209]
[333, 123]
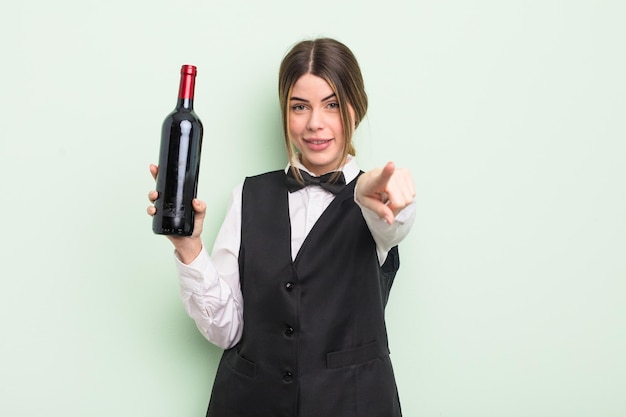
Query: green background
[511, 298]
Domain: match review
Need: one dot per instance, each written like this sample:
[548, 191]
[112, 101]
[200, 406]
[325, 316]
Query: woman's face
[315, 126]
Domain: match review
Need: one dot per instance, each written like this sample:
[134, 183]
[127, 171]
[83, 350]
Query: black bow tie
[324, 181]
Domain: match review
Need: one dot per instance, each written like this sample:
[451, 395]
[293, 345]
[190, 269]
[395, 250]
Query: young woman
[297, 282]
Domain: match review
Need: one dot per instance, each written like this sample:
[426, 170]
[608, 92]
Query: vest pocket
[240, 364]
[355, 356]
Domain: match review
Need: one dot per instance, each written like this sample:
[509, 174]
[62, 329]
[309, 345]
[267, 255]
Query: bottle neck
[184, 103]
[186, 89]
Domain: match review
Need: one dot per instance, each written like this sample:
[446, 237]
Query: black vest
[314, 340]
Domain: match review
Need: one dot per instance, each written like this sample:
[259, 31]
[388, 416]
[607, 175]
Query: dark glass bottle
[179, 162]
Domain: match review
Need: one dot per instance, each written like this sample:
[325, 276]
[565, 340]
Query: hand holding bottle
[188, 247]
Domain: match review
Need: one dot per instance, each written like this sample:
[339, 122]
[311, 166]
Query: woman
[298, 279]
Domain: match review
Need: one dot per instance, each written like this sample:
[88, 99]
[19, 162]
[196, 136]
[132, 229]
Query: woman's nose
[316, 121]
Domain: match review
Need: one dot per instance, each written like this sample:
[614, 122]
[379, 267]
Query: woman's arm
[387, 200]
[209, 285]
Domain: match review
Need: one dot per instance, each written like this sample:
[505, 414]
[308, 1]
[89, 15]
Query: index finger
[385, 175]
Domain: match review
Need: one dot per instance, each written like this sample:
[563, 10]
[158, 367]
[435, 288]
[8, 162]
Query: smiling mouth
[317, 141]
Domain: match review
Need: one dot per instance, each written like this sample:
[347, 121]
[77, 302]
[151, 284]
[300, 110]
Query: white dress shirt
[209, 285]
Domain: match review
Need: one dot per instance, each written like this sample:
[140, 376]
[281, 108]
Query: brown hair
[332, 61]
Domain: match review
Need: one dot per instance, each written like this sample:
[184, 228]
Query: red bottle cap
[188, 69]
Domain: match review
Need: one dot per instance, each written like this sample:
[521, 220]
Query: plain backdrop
[511, 298]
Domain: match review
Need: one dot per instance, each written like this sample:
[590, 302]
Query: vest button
[289, 286]
[289, 331]
[287, 376]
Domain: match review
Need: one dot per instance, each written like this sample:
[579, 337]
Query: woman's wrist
[187, 249]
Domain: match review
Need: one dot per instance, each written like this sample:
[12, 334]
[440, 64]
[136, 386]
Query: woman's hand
[386, 191]
[188, 247]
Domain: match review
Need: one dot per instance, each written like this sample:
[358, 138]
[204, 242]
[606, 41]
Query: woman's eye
[298, 107]
[333, 106]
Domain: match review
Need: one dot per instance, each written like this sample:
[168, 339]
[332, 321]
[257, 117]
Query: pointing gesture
[386, 191]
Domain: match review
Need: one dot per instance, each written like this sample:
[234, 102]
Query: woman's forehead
[312, 86]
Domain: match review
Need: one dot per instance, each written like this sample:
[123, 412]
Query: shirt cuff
[199, 275]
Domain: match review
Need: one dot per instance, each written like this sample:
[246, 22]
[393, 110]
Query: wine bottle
[179, 162]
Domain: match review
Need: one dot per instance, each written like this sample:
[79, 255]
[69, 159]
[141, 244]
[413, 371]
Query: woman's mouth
[315, 141]
[316, 144]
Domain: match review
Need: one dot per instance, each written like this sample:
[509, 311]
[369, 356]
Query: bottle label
[173, 210]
